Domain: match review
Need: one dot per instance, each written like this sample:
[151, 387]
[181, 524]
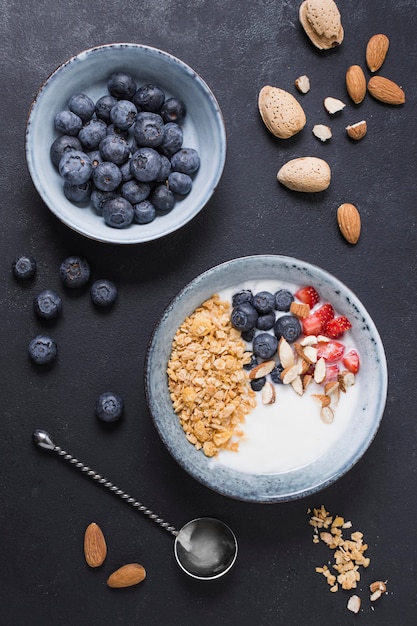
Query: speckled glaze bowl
[324, 471]
[87, 72]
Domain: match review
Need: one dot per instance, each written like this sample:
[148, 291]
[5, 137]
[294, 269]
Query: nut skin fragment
[281, 113]
[305, 174]
[322, 23]
[349, 221]
[376, 51]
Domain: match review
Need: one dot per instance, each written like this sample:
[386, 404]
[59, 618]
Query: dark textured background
[237, 47]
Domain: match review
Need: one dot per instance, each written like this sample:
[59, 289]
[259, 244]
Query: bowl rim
[116, 236]
[267, 495]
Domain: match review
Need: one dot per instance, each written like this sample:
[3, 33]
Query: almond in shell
[349, 221]
[95, 548]
[376, 51]
[322, 23]
[127, 576]
[305, 174]
[385, 90]
[356, 83]
[281, 113]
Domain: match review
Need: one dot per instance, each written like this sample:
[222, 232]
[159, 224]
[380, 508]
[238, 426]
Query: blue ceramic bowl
[300, 482]
[88, 72]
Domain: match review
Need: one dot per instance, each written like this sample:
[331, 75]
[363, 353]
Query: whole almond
[95, 548]
[349, 222]
[126, 576]
[356, 83]
[385, 90]
[376, 51]
[281, 113]
[306, 174]
[357, 131]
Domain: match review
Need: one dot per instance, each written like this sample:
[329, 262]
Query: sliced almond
[333, 105]
[332, 390]
[322, 132]
[375, 595]
[299, 309]
[261, 370]
[345, 379]
[378, 585]
[307, 378]
[268, 393]
[357, 131]
[327, 414]
[302, 84]
[290, 373]
[354, 604]
[310, 354]
[285, 353]
[309, 340]
[297, 385]
[321, 398]
[320, 371]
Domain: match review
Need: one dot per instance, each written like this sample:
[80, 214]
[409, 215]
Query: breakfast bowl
[287, 449]
[88, 73]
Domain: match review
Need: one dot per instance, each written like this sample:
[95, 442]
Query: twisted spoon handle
[43, 439]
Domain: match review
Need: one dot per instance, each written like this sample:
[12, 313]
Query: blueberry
[79, 194]
[265, 345]
[103, 107]
[126, 171]
[248, 335]
[121, 85]
[180, 183]
[173, 110]
[95, 158]
[113, 130]
[252, 363]
[173, 138]
[144, 212]
[162, 198]
[244, 316]
[164, 170]
[103, 292]
[115, 149]
[145, 164]
[276, 374]
[149, 129]
[98, 199]
[134, 191]
[42, 350]
[149, 98]
[257, 383]
[107, 176]
[92, 133]
[118, 212]
[47, 304]
[75, 167]
[67, 123]
[74, 272]
[60, 145]
[123, 114]
[81, 105]
[186, 161]
[263, 301]
[283, 299]
[245, 295]
[109, 407]
[288, 327]
[24, 267]
[266, 321]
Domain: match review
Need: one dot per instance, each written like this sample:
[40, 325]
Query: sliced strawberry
[331, 351]
[325, 313]
[332, 372]
[308, 295]
[312, 325]
[351, 361]
[336, 327]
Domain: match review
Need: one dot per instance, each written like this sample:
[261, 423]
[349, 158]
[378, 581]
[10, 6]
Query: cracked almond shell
[281, 113]
[305, 174]
[322, 23]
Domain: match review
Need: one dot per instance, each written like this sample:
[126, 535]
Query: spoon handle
[43, 439]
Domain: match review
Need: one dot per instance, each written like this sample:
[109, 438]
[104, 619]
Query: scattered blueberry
[103, 107]
[180, 183]
[99, 198]
[67, 123]
[60, 145]
[265, 345]
[287, 326]
[81, 105]
[79, 194]
[42, 350]
[244, 317]
[257, 383]
[92, 133]
[248, 335]
[134, 191]
[276, 374]
[118, 212]
[109, 407]
[149, 98]
[103, 292]
[173, 110]
[115, 149]
[123, 114]
[24, 267]
[283, 299]
[245, 295]
[149, 129]
[145, 164]
[74, 272]
[266, 321]
[47, 304]
[75, 167]
[263, 301]
[144, 212]
[121, 85]
[107, 176]
[186, 161]
[172, 141]
[162, 198]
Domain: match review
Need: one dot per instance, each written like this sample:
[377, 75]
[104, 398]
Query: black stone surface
[237, 47]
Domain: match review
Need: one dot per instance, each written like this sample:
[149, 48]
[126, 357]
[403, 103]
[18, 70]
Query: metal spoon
[205, 548]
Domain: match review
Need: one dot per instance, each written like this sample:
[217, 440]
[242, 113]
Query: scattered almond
[354, 604]
[297, 385]
[385, 90]
[285, 353]
[376, 51]
[289, 374]
[322, 23]
[345, 379]
[321, 398]
[307, 378]
[333, 105]
[268, 393]
[356, 83]
[320, 371]
[327, 414]
[349, 221]
[281, 113]
[261, 370]
[305, 174]
[95, 548]
[357, 131]
[322, 132]
[378, 585]
[302, 84]
[127, 576]
[300, 309]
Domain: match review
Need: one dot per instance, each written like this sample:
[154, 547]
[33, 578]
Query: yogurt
[289, 433]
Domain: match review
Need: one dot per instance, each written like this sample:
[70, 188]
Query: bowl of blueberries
[125, 143]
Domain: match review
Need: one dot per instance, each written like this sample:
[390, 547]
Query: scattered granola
[207, 382]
